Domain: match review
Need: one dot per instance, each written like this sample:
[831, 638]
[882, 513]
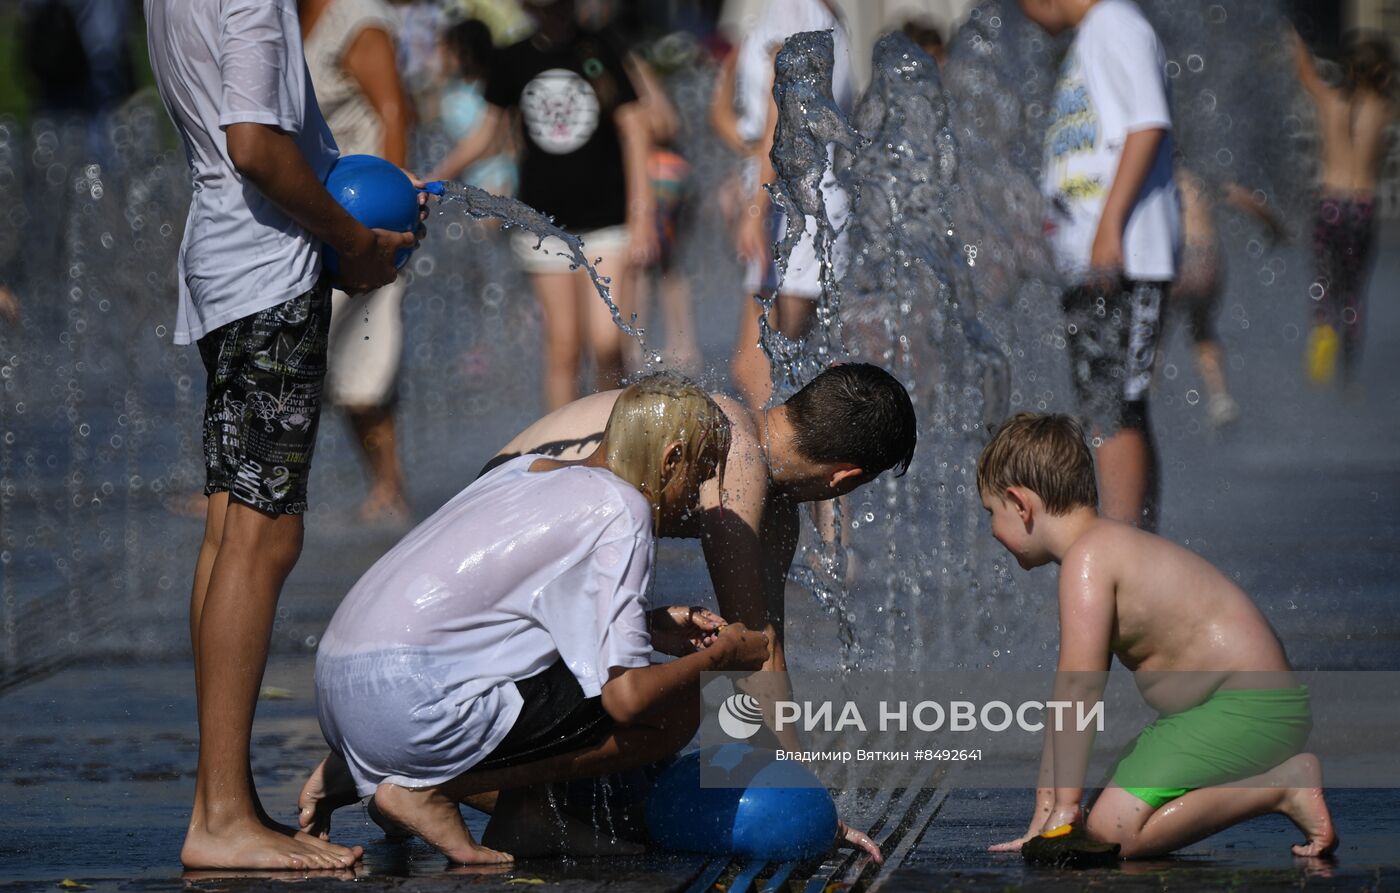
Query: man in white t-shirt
[1113, 220]
[232, 76]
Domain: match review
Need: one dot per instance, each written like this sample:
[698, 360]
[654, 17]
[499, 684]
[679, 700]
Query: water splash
[808, 122]
[479, 204]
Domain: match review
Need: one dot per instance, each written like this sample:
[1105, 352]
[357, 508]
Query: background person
[584, 163]
[1353, 119]
[350, 54]
[758, 221]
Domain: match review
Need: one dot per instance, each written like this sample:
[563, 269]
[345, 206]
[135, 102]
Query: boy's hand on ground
[371, 265]
[680, 630]
[846, 834]
[1011, 846]
[745, 649]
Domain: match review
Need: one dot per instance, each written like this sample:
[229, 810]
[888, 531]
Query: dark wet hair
[1368, 62]
[470, 42]
[856, 413]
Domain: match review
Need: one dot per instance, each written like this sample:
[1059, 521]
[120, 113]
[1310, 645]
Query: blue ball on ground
[776, 811]
[377, 194]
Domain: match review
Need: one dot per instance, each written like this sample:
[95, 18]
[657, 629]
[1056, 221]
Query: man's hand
[680, 630]
[370, 264]
[846, 834]
[745, 649]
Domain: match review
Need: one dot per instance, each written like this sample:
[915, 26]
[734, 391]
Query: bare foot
[1306, 807]
[392, 829]
[435, 818]
[247, 843]
[329, 787]
[528, 825]
[383, 505]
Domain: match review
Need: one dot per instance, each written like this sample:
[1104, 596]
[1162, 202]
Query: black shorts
[263, 402]
[1112, 338]
[555, 718]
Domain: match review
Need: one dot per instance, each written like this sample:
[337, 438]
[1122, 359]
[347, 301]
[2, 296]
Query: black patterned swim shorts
[263, 402]
[1112, 337]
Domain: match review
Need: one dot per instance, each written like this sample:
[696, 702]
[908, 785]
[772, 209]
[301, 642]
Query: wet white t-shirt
[1112, 83]
[414, 676]
[223, 62]
[753, 72]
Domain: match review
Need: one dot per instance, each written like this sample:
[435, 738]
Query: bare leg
[231, 622]
[749, 366]
[677, 307]
[432, 813]
[1210, 361]
[1293, 789]
[605, 339]
[562, 347]
[374, 429]
[1127, 464]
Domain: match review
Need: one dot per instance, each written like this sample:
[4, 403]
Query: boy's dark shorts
[263, 402]
[555, 718]
[1112, 338]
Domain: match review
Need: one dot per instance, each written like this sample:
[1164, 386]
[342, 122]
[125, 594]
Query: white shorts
[802, 279]
[552, 256]
[366, 341]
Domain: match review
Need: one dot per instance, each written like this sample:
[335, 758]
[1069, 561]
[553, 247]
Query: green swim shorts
[1232, 735]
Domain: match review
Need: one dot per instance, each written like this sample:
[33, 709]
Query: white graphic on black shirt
[560, 110]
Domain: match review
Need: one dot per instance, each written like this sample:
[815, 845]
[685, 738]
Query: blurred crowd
[569, 106]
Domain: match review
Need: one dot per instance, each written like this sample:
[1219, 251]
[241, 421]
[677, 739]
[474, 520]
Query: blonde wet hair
[652, 412]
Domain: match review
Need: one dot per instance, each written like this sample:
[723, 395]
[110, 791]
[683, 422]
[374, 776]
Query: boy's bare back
[1353, 130]
[1169, 612]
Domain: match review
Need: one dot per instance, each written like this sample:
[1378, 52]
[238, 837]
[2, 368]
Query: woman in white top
[350, 54]
[507, 640]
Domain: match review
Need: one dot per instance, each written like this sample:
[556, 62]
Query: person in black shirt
[586, 143]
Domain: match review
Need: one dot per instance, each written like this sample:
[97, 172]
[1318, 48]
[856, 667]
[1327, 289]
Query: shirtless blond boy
[1233, 720]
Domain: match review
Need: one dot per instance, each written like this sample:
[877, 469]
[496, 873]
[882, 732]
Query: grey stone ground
[1300, 500]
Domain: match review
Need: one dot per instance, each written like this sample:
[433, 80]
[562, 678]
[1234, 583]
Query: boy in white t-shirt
[1114, 223]
[232, 76]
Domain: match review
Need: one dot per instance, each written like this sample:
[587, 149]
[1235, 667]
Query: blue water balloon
[763, 810]
[377, 194]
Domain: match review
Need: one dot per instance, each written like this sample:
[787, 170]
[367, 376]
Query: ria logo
[740, 716]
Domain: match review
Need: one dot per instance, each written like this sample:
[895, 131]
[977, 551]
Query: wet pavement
[1300, 501]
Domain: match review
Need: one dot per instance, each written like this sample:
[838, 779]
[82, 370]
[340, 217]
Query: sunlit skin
[748, 528]
[1185, 631]
[655, 710]
[749, 534]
